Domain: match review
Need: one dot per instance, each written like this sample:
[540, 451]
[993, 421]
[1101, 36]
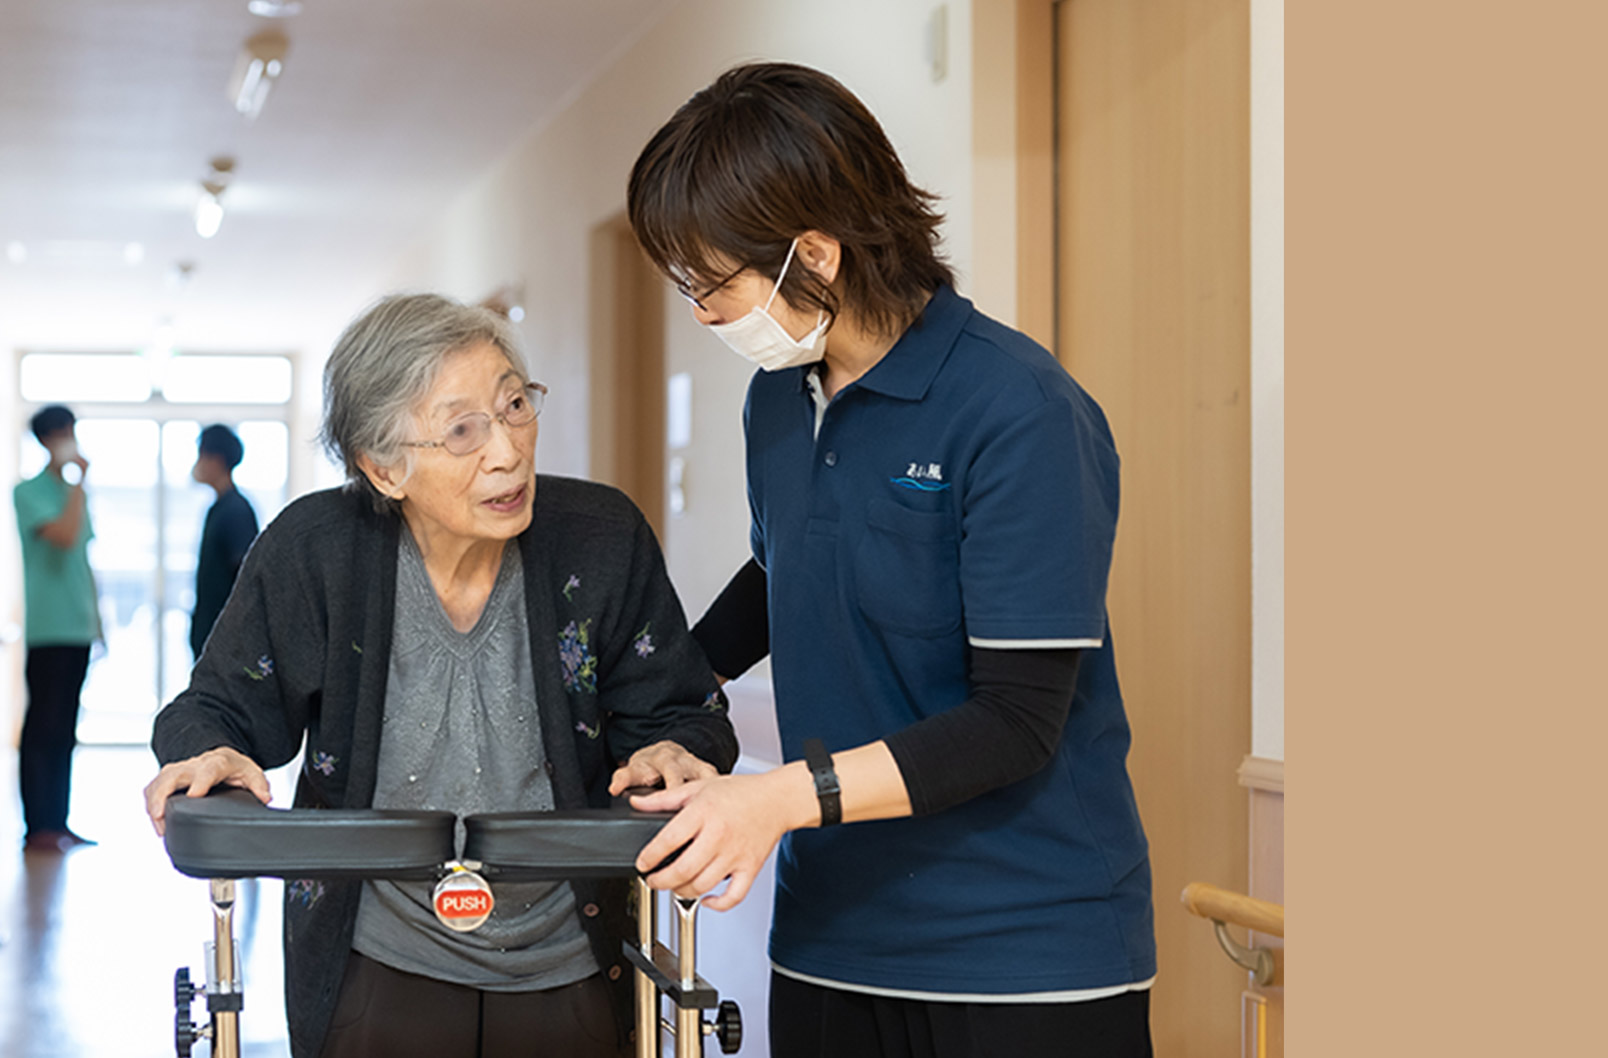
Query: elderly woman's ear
[387, 481]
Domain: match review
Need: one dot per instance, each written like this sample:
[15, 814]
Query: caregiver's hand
[732, 823]
[220, 766]
[662, 761]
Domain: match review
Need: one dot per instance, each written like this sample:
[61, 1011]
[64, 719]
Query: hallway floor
[89, 939]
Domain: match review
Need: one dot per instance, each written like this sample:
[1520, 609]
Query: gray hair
[382, 367]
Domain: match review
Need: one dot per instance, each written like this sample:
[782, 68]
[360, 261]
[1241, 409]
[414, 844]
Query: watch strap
[827, 790]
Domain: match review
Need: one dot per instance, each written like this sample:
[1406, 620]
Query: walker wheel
[729, 1027]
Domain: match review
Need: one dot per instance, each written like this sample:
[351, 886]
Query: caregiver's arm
[1005, 731]
[735, 631]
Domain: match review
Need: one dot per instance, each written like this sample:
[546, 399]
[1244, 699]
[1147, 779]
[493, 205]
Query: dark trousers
[49, 732]
[808, 1021]
[382, 1011]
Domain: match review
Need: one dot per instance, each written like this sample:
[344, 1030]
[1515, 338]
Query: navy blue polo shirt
[963, 491]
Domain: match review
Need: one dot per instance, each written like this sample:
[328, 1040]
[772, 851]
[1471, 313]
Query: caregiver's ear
[387, 481]
[820, 253]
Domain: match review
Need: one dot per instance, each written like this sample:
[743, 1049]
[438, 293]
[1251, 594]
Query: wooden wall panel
[1153, 318]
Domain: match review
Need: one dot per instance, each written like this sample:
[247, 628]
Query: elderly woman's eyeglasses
[468, 433]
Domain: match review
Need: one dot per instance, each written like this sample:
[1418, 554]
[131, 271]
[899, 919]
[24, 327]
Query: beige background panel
[1446, 527]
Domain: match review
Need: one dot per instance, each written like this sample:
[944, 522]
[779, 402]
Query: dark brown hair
[766, 153]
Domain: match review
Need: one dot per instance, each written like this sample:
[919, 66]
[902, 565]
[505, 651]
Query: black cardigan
[302, 649]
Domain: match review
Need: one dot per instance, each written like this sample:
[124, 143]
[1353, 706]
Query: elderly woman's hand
[200, 774]
[665, 761]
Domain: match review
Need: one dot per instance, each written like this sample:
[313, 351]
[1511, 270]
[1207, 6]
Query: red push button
[463, 900]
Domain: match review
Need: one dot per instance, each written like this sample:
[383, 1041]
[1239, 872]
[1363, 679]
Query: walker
[230, 835]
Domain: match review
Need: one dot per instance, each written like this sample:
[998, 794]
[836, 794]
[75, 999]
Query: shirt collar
[907, 371]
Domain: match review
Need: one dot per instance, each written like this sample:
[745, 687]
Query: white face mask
[758, 337]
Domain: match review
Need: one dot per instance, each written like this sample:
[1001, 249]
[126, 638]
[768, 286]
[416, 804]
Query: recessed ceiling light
[274, 8]
[16, 252]
[178, 277]
[209, 204]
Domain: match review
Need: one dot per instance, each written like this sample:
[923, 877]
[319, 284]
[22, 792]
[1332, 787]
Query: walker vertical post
[223, 973]
[647, 994]
[689, 1019]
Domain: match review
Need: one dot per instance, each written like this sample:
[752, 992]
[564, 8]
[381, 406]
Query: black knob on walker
[184, 992]
[729, 1027]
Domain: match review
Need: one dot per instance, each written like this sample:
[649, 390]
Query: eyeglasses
[469, 433]
[685, 289]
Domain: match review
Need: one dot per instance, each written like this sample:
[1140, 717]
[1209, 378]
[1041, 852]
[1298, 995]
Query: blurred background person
[62, 621]
[226, 535]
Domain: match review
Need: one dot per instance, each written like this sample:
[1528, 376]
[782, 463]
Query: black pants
[386, 1012]
[49, 732]
[808, 1021]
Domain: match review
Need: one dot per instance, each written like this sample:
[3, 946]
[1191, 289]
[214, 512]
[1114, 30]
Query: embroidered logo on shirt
[923, 477]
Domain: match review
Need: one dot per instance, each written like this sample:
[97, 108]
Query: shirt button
[590, 910]
[614, 973]
[831, 459]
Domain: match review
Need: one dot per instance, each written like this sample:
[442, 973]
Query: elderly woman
[450, 631]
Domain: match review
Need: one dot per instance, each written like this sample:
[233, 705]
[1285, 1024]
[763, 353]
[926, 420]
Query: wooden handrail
[1222, 905]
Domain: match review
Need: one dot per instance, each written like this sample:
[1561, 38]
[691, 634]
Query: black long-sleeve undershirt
[1006, 730]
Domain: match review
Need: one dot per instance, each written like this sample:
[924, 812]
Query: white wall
[1267, 378]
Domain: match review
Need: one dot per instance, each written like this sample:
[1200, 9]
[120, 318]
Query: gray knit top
[451, 703]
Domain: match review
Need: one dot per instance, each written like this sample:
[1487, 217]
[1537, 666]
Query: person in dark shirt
[227, 534]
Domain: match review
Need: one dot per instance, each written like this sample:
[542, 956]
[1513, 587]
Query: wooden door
[626, 369]
[1153, 318]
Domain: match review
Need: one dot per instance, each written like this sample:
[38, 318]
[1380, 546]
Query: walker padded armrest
[230, 834]
[551, 846]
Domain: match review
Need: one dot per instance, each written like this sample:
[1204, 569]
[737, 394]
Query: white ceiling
[111, 109]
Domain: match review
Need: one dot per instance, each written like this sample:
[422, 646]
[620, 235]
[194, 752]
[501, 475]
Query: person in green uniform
[61, 622]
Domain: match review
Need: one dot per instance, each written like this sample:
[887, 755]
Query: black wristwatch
[827, 790]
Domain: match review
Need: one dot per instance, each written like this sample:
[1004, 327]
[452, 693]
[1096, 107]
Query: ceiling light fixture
[274, 8]
[209, 204]
[260, 63]
[16, 252]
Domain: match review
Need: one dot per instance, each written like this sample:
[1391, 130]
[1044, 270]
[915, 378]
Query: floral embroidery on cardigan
[715, 702]
[576, 658]
[264, 669]
[569, 586]
[589, 732]
[324, 762]
[643, 643]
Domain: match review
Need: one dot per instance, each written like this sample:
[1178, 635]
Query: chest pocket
[907, 570]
